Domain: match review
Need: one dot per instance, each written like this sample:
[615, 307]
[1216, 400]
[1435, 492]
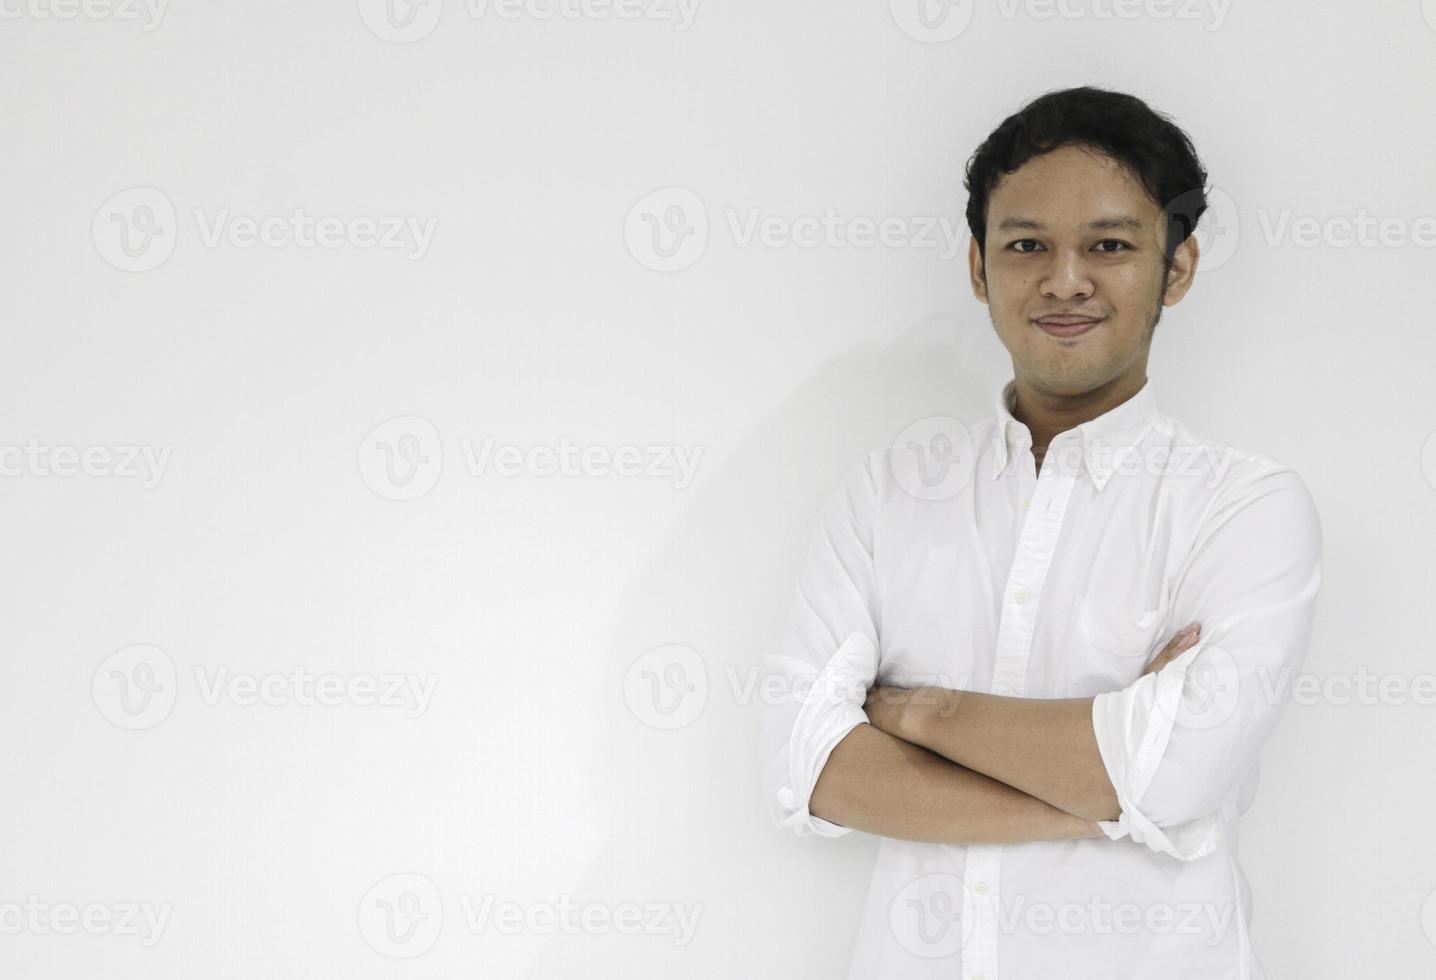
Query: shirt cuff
[831, 709]
[1133, 727]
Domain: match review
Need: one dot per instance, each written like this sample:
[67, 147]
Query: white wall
[267, 543]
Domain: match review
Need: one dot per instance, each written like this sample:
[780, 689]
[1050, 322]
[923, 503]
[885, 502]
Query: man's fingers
[1176, 646]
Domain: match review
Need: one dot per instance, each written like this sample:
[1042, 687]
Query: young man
[981, 670]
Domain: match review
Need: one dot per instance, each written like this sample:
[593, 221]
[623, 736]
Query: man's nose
[1067, 277]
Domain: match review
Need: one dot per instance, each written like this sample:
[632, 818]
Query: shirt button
[1006, 691]
[1027, 504]
[1021, 596]
[980, 888]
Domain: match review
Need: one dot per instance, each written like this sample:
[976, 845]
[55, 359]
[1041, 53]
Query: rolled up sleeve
[818, 679]
[1178, 743]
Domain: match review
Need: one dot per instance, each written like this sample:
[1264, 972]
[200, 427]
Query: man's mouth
[1066, 325]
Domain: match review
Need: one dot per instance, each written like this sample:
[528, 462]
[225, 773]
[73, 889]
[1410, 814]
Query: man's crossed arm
[946, 766]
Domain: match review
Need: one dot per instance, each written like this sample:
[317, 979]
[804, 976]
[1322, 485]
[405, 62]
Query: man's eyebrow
[1101, 224]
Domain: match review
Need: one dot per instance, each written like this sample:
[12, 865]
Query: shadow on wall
[683, 820]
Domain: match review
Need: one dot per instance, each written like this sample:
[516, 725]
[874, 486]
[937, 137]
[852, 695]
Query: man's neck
[1047, 415]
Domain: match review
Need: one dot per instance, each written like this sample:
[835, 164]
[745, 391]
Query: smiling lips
[1067, 325]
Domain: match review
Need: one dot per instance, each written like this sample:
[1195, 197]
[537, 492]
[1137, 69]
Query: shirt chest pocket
[1111, 643]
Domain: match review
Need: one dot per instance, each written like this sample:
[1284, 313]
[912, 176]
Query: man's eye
[1121, 246]
[1016, 246]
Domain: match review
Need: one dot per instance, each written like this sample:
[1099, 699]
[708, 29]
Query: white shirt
[948, 560]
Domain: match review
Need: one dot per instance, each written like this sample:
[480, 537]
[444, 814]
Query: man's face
[1071, 233]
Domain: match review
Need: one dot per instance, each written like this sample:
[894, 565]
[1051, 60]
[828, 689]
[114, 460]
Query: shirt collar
[1105, 440]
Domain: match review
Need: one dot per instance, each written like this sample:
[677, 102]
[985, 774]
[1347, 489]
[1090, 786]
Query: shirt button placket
[1035, 544]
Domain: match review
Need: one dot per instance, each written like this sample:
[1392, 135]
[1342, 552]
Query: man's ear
[977, 270]
[1183, 270]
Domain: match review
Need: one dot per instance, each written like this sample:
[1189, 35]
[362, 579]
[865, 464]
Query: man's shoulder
[1228, 460]
[932, 459]
[1224, 477]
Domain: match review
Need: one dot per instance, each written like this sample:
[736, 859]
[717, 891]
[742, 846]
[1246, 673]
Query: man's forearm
[880, 784]
[1045, 748]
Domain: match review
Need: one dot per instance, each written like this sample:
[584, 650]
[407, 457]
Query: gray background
[544, 607]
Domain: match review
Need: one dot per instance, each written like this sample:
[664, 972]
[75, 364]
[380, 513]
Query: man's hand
[1179, 644]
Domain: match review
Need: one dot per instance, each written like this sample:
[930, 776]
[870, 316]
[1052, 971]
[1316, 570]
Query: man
[983, 667]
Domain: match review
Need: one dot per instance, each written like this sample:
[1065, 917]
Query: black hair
[1146, 142]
